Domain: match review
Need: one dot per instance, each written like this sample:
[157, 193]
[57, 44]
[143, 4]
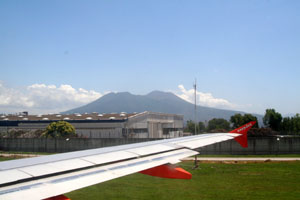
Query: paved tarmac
[19, 155]
[243, 159]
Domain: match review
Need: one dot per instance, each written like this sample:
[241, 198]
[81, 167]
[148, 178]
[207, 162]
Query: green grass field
[210, 181]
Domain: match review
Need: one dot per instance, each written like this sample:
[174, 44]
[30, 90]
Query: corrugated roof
[76, 116]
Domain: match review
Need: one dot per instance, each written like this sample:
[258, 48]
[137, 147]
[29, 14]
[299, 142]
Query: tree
[272, 119]
[295, 124]
[190, 127]
[291, 125]
[249, 118]
[237, 120]
[60, 129]
[286, 125]
[201, 127]
[218, 123]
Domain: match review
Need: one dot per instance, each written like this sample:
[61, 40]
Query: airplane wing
[48, 176]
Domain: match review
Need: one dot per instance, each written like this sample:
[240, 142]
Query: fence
[256, 146]
[259, 145]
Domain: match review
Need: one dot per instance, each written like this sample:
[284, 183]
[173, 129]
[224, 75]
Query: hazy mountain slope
[155, 101]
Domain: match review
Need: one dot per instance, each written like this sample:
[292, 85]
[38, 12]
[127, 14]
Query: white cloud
[9, 96]
[204, 99]
[41, 98]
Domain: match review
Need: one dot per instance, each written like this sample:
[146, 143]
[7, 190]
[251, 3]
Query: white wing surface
[48, 176]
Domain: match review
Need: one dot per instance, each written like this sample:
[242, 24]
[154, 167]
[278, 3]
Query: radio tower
[195, 90]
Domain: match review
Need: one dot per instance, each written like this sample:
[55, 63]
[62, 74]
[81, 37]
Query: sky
[56, 55]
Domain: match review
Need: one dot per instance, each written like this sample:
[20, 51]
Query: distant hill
[156, 101]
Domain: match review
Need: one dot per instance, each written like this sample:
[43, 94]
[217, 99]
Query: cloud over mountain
[41, 98]
[204, 99]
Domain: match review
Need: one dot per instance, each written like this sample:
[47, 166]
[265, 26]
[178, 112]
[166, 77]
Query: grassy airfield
[210, 181]
[269, 180]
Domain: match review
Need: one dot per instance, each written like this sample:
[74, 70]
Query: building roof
[76, 116]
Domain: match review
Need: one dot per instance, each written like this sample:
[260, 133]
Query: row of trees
[286, 125]
[273, 121]
[219, 124]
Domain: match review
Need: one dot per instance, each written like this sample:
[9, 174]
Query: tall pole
[195, 90]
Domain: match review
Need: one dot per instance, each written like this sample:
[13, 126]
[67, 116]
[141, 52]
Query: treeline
[220, 124]
[286, 125]
[274, 124]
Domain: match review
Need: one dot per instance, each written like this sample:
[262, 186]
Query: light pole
[195, 90]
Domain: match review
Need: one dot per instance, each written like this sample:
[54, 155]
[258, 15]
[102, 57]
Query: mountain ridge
[155, 101]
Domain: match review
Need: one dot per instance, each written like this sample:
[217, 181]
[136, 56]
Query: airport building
[101, 125]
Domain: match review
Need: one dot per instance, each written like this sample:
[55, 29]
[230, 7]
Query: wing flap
[56, 167]
[110, 157]
[12, 175]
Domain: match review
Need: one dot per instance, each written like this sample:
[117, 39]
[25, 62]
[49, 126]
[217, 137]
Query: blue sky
[243, 53]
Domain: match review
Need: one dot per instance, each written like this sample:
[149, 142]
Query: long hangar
[100, 125]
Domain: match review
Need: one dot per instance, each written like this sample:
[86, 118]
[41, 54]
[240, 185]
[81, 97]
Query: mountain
[156, 101]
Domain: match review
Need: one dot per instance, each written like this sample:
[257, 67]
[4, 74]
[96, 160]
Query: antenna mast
[195, 90]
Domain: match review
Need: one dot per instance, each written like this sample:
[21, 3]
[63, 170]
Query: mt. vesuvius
[156, 101]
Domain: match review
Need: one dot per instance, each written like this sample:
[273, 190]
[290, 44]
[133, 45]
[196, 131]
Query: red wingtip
[242, 140]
